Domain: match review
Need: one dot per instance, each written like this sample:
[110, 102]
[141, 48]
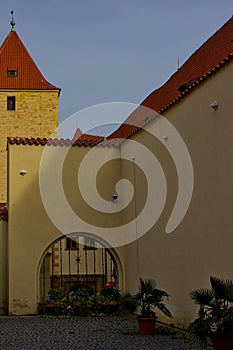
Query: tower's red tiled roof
[208, 59]
[14, 56]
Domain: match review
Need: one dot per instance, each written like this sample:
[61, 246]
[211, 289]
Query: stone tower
[28, 102]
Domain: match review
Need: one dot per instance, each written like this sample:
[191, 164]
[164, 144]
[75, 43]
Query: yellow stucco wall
[36, 115]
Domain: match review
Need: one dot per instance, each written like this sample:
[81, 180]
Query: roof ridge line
[14, 50]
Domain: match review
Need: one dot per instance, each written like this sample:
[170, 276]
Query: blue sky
[111, 51]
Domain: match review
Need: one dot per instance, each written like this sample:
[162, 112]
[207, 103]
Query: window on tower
[11, 103]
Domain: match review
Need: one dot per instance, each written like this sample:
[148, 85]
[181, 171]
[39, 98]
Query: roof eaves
[52, 142]
[189, 88]
[198, 82]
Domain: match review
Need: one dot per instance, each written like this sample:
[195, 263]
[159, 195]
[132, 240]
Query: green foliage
[56, 294]
[54, 304]
[128, 304]
[215, 314]
[81, 294]
[83, 302]
[109, 299]
[149, 298]
[109, 294]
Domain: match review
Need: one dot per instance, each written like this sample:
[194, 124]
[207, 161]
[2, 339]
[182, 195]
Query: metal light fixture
[214, 105]
[23, 172]
[114, 197]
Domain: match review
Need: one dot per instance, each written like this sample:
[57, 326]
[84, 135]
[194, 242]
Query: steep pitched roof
[15, 57]
[208, 59]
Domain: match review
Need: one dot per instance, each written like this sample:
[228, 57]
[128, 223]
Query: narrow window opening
[71, 243]
[90, 243]
[11, 103]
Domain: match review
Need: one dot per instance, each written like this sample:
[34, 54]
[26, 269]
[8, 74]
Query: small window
[89, 243]
[71, 244]
[11, 103]
[12, 72]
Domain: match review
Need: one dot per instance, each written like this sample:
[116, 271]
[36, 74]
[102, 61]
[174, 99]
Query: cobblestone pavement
[19, 333]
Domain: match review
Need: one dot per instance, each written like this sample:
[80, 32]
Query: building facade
[173, 223]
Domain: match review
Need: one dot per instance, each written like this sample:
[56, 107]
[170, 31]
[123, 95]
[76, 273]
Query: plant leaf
[164, 309]
[199, 331]
[223, 288]
[202, 296]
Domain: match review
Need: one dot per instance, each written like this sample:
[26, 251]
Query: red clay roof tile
[14, 56]
[208, 59]
[77, 134]
[84, 140]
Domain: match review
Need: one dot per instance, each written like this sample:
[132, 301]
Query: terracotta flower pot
[146, 325]
[222, 341]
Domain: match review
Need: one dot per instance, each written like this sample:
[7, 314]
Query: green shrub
[82, 302]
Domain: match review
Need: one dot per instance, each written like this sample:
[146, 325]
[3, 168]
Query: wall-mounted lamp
[214, 105]
[22, 172]
[114, 197]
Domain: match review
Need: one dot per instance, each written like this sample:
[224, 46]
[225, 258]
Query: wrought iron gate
[77, 261]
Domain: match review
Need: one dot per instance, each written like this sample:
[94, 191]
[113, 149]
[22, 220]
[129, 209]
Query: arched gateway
[76, 261]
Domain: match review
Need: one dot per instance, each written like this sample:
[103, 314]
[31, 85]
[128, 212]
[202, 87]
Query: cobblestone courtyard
[28, 333]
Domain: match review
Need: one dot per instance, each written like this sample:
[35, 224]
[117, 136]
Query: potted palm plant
[215, 315]
[148, 299]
